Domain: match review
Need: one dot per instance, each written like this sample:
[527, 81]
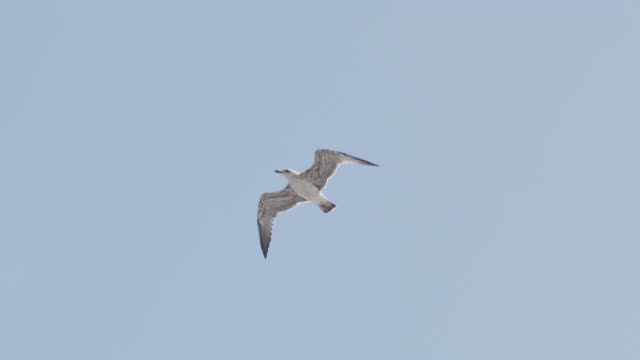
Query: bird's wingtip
[263, 244]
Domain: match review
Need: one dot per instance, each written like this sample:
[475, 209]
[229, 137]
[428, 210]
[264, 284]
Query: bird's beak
[279, 172]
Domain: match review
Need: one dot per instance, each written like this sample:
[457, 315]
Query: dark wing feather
[271, 204]
[325, 165]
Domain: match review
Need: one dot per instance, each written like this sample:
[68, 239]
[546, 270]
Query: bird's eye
[286, 171]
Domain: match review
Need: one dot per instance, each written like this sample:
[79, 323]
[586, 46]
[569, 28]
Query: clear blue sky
[137, 136]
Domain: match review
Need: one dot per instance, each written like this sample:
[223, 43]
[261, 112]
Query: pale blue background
[137, 136]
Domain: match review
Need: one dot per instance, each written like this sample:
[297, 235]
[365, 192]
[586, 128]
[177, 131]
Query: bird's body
[306, 190]
[302, 187]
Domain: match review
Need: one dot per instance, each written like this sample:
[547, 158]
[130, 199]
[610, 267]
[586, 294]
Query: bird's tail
[327, 206]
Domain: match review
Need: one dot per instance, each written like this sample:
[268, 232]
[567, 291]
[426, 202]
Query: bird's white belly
[305, 189]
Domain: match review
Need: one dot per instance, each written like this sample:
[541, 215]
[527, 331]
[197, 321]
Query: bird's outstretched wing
[271, 204]
[326, 164]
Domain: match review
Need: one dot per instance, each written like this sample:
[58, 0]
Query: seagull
[302, 187]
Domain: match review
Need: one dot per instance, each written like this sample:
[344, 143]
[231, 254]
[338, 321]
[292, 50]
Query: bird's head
[287, 172]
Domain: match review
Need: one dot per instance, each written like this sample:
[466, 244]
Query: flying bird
[302, 187]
